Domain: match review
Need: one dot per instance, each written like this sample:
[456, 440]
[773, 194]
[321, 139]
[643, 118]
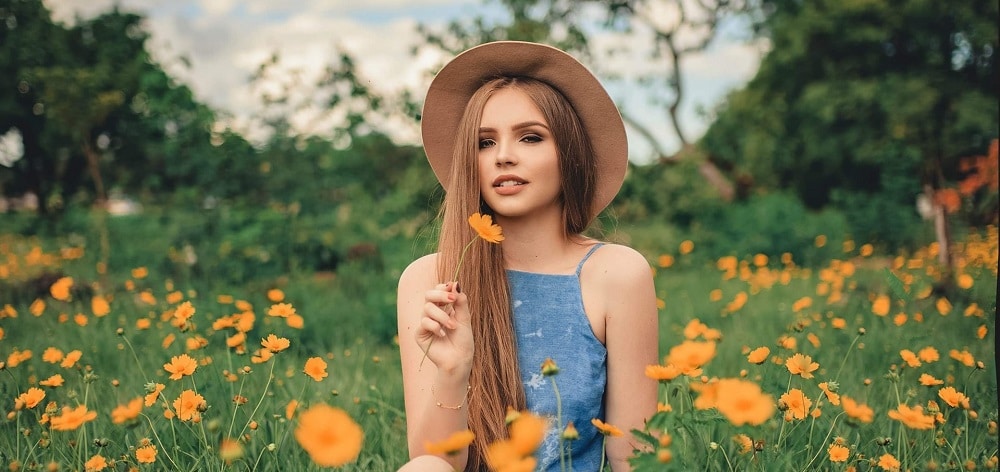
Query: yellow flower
[759, 355]
[290, 409]
[139, 273]
[329, 435]
[953, 397]
[745, 443]
[797, 403]
[606, 429]
[127, 412]
[72, 418]
[801, 365]
[189, 406]
[184, 312]
[146, 454]
[274, 344]
[230, 450]
[964, 356]
[179, 366]
[95, 464]
[943, 306]
[484, 227]
[912, 417]
[29, 399]
[452, 444]
[686, 247]
[316, 368]
[888, 462]
[37, 307]
[743, 402]
[52, 355]
[838, 453]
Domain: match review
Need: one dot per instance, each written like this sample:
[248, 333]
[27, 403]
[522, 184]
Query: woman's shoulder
[421, 269]
[620, 262]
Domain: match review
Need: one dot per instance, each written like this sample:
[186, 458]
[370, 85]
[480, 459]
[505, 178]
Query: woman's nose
[505, 154]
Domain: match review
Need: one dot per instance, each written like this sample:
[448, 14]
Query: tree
[862, 104]
[671, 30]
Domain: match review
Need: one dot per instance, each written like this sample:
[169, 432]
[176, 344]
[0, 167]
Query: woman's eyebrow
[522, 125]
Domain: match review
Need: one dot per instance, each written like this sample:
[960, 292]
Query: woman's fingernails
[442, 333]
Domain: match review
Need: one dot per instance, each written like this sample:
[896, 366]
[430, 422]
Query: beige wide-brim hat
[454, 85]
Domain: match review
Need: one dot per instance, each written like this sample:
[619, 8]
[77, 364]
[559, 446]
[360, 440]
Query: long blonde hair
[496, 379]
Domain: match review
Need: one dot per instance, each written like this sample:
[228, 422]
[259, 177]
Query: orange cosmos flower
[928, 354]
[72, 418]
[281, 310]
[230, 450]
[909, 357]
[127, 412]
[838, 323]
[484, 227]
[743, 402]
[913, 418]
[797, 403]
[275, 295]
[29, 399]
[146, 454]
[857, 411]
[452, 444]
[52, 355]
[97, 463]
[888, 462]
[154, 393]
[140, 273]
[838, 453]
[708, 393]
[100, 307]
[801, 365]
[690, 356]
[696, 328]
[881, 305]
[832, 396]
[316, 368]
[329, 435]
[606, 429]
[759, 355]
[37, 307]
[71, 359]
[262, 356]
[295, 321]
[54, 381]
[686, 247]
[60, 289]
[274, 344]
[189, 406]
[965, 357]
[179, 366]
[184, 312]
[943, 306]
[953, 397]
[662, 373]
[290, 408]
[527, 433]
[744, 441]
[928, 380]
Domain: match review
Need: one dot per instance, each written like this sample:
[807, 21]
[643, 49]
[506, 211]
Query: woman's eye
[532, 138]
[485, 143]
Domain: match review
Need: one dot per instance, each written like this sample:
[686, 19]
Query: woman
[526, 134]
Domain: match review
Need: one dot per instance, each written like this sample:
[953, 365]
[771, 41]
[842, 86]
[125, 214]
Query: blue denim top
[550, 322]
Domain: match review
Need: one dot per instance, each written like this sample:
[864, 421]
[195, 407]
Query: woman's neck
[539, 245]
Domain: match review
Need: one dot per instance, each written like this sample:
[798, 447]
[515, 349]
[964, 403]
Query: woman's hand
[445, 330]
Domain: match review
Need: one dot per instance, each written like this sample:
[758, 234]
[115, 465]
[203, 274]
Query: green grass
[348, 323]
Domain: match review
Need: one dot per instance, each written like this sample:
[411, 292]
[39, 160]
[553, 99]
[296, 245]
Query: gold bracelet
[449, 407]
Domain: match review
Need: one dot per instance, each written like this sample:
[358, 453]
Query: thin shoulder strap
[579, 267]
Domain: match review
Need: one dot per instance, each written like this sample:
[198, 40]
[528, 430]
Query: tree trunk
[93, 165]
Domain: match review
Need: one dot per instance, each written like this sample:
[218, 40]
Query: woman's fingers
[429, 327]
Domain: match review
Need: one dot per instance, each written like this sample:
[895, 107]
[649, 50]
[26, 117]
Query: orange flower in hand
[483, 224]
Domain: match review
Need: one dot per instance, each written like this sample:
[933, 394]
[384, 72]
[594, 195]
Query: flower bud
[570, 433]
[549, 367]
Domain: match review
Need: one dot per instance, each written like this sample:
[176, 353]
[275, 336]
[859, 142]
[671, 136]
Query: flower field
[870, 362]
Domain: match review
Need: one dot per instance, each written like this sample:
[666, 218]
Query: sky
[214, 46]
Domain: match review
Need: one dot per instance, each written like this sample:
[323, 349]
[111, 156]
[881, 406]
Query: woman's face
[518, 158]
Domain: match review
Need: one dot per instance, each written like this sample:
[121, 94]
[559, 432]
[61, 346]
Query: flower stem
[461, 259]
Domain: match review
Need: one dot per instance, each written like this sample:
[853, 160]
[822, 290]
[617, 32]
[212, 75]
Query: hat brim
[455, 84]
